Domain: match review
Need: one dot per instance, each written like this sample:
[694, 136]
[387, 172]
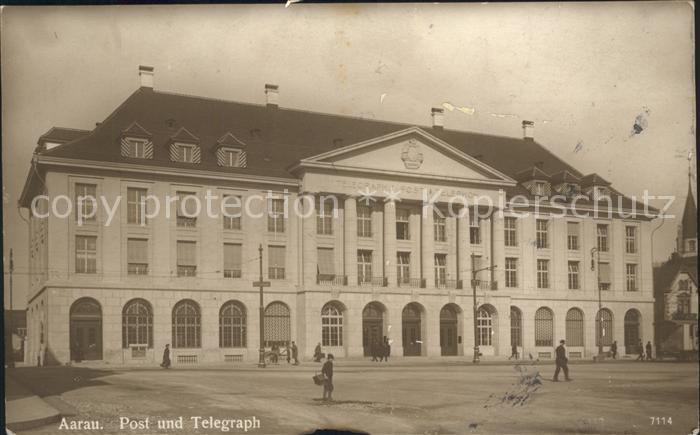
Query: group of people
[380, 351]
[291, 352]
[640, 348]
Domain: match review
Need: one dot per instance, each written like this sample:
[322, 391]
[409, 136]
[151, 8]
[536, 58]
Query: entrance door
[411, 327]
[448, 331]
[87, 340]
[372, 326]
[86, 330]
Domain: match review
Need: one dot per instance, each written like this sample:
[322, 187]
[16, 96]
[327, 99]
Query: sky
[583, 72]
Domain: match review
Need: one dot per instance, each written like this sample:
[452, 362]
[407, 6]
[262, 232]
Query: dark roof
[565, 177]
[276, 138]
[18, 317]
[690, 217]
[62, 135]
[532, 173]
[594, 180]
[667, 272]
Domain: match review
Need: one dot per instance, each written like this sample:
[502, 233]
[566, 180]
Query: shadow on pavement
[54, 381]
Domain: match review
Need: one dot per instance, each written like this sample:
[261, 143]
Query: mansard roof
[594, 180]
[62, 135]
[665, 274]
[565, 176]
[276, 138]
[532, 173]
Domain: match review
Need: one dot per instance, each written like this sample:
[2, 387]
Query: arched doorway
[372, 326]
[448, 330]
[278, 324]
[604, 327]
[86, 330]
[516, 327]
[486, 328]
[411, 328]
[632, 333]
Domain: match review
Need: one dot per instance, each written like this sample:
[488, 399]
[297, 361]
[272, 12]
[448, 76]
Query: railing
[187, 359]
[684, 316]
[378, 281]
[323, 279]
[481, 284]
[604, 286]
[448, 283]
[411, 282]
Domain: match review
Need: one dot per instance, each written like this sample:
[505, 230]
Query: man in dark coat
[648, 350]
[513, 351]
[375, 350]
[295, 353]
[561, 362]
[327, 372]
[613, 349]
[317, 353]
[166, 357]
[289, 352]
[386, 348]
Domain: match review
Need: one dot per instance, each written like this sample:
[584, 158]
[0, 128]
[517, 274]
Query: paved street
[395, 398]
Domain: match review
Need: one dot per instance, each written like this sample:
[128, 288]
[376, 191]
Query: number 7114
[661, 421]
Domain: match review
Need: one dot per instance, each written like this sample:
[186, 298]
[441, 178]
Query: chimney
[528, 130]
[438, 115]
[272, 94]
[146, 76]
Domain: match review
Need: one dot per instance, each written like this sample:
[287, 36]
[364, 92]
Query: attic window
[539, 188]
[599, 192]
[137, 148]
[185, 153]
[231, 157]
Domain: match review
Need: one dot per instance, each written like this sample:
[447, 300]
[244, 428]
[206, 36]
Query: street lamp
[476, 332]
[595, 265]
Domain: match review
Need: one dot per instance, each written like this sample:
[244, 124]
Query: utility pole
[476, 331]
[261, 284]
[595, 265]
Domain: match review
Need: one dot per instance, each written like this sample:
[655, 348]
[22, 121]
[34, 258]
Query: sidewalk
[23, 409]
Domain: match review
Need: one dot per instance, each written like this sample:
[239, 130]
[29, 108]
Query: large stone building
[392, 256]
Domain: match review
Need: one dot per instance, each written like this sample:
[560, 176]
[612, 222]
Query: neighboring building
[17, 321]
[342, 275]
[676, 289]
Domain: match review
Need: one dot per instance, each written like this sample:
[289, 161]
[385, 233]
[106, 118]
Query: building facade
[676, 290]
[367, 228]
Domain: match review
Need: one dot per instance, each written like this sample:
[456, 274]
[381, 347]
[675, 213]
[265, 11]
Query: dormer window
[539, 188]
[136, 148]
[136, 142]
[231, 157]
[599, 192]
[184, 148]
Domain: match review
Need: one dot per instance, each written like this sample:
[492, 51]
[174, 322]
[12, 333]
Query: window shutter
[190, 204]
[605, 272]
[174, 153]
[186, 254]
[572, 228]
[326, 261]
[276, 256]
[137, 251]
[232, 256]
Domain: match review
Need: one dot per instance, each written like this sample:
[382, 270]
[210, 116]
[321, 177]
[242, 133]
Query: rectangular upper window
[574, 275]
[511, 272]
[474, 228]
[439, 228]
[604, 276]
[232, 260]
[402, 225]
[137, 256]
[231, 212]
[186, 258]
[186, 209]
[85, 254]
[572, 236]
[324, 218]
[602, 231]
[542, 234]
[631, 275]
[275, 216]
[231, 157]
[137, 148]
[136, 205]
[631, 239]
[85, 201]
[364, 221]
[542, 273]
[511, 231]
[276, 262]
[326, 263]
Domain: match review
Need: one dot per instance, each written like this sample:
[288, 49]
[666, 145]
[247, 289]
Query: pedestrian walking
[295, 353]
[648, 350]
[561, 362]
[289, 353]
[317, 353]
[374, 350]
[513, 351]
[327, 372]
[640, 349]
[166, 357]
[613, 350]
[386, 349]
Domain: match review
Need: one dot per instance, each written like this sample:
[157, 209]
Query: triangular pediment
[230, 140]
[411, 152]
[184, 135]
[135, 130]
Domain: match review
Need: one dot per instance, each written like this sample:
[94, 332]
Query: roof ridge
[350, 117]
